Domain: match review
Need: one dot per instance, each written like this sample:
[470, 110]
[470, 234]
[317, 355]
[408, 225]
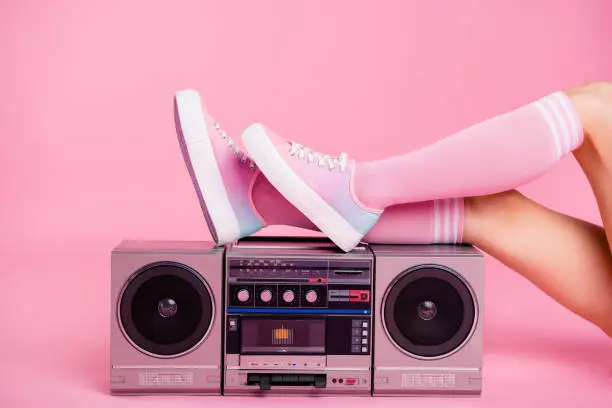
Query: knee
[594, 89]
[599, 88]
[593, 102]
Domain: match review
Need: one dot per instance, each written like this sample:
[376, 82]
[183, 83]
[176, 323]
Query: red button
[350, 381]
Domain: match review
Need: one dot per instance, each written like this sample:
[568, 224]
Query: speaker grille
[166, 309]
[429, 311]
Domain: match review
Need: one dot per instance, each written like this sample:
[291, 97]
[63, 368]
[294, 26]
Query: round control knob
[243, 295]
[265, 295]
[288, 296]
[311, 296]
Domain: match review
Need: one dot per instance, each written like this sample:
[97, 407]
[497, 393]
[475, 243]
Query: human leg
[345, 199]
[594, 104]
[237, 200]
[495, 155]
[429, 222]
[567, 258]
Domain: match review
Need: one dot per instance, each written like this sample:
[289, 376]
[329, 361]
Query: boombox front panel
[298, 319]
[452, 273]
[193, 369]
[456, 371]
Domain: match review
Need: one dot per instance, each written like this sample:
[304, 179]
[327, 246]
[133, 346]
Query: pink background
[88, 156]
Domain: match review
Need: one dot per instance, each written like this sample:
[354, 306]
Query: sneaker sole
[201, 162]
[296, 191]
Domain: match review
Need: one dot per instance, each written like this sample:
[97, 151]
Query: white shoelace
[244, 157]
[322, 159]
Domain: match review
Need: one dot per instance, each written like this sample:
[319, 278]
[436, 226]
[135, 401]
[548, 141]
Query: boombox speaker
[428, 329]
[166, 321]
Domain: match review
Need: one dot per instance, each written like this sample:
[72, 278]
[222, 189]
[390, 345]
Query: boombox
[283, 316]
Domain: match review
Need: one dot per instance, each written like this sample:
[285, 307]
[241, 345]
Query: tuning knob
[265, 295]
[288, 296]
[243, 295]
[311, 296]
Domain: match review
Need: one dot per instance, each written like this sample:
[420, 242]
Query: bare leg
[594, 105]
[567, 258]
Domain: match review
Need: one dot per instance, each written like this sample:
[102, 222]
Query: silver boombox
[284, 316]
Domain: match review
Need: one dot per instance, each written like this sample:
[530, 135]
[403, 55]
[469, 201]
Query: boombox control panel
[297, 319]
[276, 283]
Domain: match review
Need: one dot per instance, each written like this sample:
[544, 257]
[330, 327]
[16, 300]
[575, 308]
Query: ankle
[365, 188]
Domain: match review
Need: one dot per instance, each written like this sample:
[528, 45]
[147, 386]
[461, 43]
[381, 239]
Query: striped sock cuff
[563, 121]
[448, 221]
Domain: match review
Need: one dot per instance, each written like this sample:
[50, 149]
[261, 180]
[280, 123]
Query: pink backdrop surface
[88, 156]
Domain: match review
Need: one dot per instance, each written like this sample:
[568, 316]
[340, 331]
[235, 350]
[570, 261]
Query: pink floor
[54, 345]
